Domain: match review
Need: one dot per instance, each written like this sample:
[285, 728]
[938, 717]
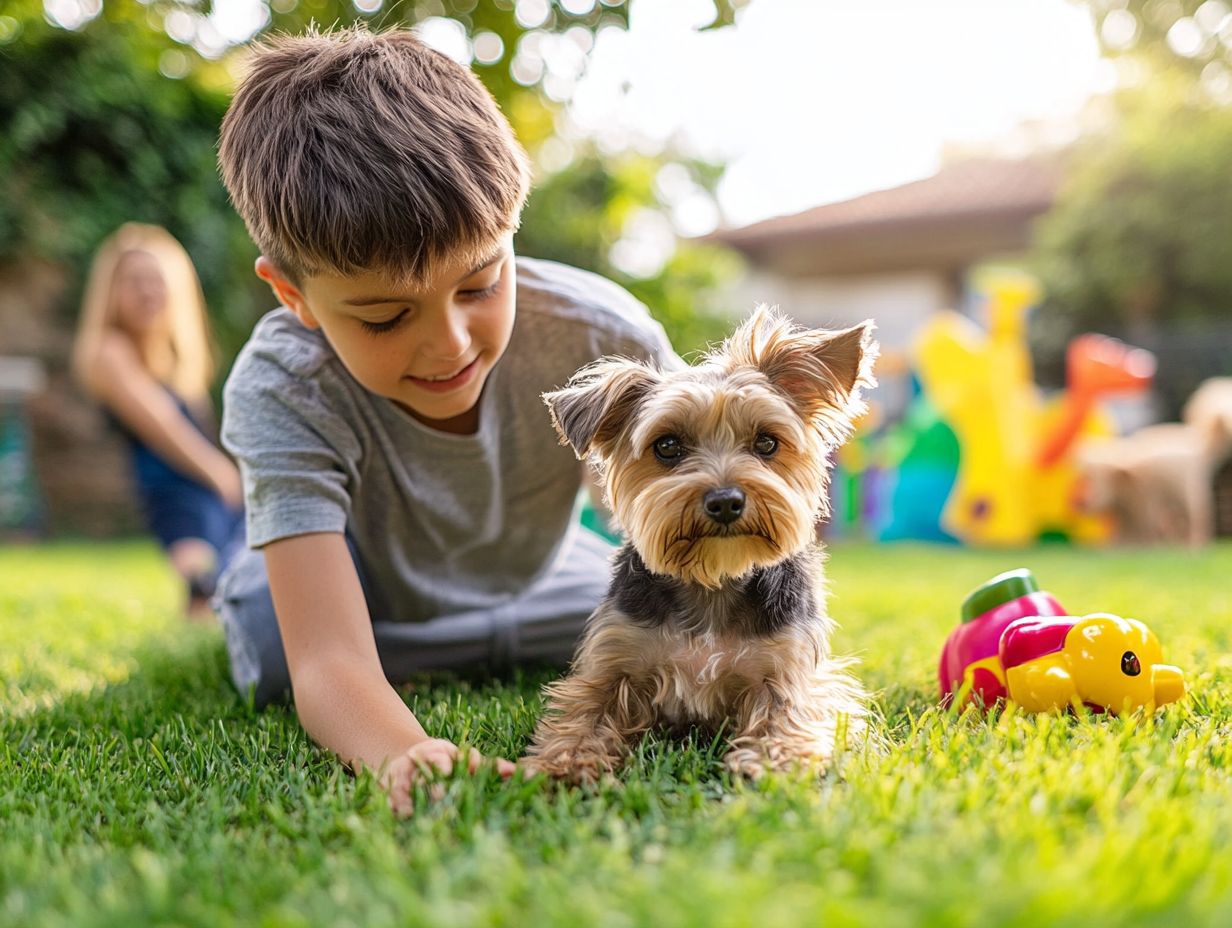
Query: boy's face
[429, 348]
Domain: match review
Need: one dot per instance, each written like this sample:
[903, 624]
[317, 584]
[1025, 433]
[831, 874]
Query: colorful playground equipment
[982, 457]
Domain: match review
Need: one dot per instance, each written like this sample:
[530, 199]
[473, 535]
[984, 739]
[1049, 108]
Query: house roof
[968, 210]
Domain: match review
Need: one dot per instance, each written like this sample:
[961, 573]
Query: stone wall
[80, 463]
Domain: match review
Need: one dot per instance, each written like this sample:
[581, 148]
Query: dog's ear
[598, 402]
[821, 371]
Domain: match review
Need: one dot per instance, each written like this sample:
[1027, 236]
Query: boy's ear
[287, 293]
[598, 403]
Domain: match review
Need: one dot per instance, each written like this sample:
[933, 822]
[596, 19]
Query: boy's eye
[376, 328]
[481, 294]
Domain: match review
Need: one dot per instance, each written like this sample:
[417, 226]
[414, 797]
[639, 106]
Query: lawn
[136, 788]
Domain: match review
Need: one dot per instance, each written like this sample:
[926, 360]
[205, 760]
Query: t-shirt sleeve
[650, 343]
[295, 451]
[616, 322]
[639, 335]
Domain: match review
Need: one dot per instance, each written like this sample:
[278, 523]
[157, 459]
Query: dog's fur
[1158, 483]
[713, 619]
[1155, 483]
[1209, 411]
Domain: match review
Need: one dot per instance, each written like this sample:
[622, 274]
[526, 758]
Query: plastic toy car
[1017, 643]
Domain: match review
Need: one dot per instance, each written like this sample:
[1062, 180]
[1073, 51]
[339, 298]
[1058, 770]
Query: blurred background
[989, 181]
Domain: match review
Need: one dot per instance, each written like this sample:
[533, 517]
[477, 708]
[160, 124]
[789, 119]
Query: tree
[112, 114]
[95, 136]
[1190, 37]
[1142, 230]
[579, 215]
[1139, 242]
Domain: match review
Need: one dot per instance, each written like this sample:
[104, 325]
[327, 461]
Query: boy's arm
[341, 695]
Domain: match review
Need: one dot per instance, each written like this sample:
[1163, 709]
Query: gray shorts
[541, 626]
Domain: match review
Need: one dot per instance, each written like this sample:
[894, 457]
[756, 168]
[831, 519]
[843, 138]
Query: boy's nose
[451, 337]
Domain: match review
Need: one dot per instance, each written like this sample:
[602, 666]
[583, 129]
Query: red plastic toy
[1017, 642]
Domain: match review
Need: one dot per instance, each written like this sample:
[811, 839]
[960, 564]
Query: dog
[715, 616]
[1209, 410]
[1156, 484]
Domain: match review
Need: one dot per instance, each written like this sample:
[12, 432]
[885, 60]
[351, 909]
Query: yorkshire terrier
[715, 616]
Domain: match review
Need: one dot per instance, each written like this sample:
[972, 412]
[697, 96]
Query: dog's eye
[766, 445]
[668, 449]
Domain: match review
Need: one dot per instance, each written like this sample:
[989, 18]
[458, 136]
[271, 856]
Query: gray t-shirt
[441, 523]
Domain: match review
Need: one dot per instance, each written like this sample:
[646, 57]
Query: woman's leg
[196, 561]
[200, 535]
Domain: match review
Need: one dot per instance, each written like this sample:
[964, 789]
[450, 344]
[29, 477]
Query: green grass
[135, 788]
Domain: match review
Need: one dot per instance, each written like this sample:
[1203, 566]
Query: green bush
[96, 137]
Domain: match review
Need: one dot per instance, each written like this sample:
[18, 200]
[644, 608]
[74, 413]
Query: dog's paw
[580, 764]
[752, 763]
[747, 763]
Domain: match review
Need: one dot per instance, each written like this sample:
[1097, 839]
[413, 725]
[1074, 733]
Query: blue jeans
[540, 626]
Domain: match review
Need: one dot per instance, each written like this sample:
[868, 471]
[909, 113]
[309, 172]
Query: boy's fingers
[437, 756]
[397, 777]
[503, 767]
[400, 802]
[439, 747]
[397, 784]
[474, 761]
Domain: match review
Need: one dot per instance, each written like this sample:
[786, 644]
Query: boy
[409, 499]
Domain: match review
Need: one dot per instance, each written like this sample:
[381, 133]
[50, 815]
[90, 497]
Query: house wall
[81, 467]
[896, 302]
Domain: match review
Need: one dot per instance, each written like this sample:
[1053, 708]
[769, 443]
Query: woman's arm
[121, 382]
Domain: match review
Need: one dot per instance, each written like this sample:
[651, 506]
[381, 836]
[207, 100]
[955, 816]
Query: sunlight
[850, 98]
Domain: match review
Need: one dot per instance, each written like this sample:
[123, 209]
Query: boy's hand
[429, 758]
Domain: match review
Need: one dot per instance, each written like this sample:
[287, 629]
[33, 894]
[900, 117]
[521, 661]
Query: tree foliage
[578, 216]
[94, 136]
[1192, 37]
[1142, 230]
[116, 119]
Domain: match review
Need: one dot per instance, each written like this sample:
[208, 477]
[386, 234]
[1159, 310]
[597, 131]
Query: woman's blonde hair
[179, 352]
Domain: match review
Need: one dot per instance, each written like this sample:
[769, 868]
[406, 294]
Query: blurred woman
[143, 351]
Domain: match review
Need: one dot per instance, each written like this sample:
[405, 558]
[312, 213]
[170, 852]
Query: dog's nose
[725, 504]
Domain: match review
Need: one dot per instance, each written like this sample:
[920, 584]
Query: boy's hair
[356, 151]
